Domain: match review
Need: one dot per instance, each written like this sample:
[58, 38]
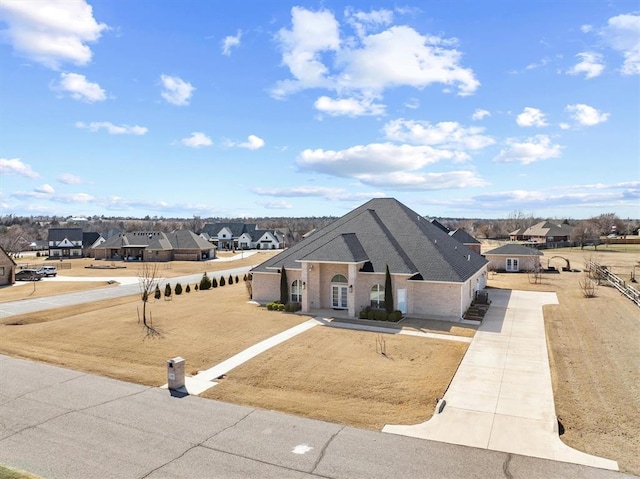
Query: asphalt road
[60, 423]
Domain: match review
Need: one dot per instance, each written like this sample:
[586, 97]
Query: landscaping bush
[222, 281]
[395, 316]
[157, 294]
[196, 287]
[178, 289]
[230, 279]
[167, 291]
[280, 307]
[244, 278]
[205, 282]
[214, 283]
[237, 281]
[187, 289]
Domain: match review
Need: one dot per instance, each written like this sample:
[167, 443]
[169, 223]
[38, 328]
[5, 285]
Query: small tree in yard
[205, 282]
[147, 278]
[237, 280]
[284, 286]
[167, 292]
[588, 285]
[388, 292]
[249, 286]
[214, 283]
[178, 289]
[157, 294]
[222, 281]
[230, 279]
[187, 289]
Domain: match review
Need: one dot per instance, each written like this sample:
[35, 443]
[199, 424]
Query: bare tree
[148, 280]
[588, 285]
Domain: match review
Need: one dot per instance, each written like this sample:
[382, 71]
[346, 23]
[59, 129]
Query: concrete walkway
[501, 397]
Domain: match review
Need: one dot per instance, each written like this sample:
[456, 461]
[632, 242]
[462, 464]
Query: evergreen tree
[214, 283]
[284, 286]
[167, 291]
[178, 289]
[388, 292]
[187, 289]
[230, 279]
[205, 282]
[222, 281]
[157, 293]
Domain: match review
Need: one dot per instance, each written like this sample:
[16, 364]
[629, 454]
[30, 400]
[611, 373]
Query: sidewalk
[501, 397]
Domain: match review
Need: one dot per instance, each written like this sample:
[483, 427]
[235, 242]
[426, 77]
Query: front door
[339, 296]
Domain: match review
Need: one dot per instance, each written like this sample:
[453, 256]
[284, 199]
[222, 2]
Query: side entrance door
[339, 292]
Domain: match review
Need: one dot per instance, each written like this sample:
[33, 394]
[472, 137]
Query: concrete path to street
[63, 424]
[501, 397]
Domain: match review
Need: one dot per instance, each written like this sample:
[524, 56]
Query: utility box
[175, 373]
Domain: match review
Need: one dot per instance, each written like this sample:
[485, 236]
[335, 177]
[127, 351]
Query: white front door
[339, 296]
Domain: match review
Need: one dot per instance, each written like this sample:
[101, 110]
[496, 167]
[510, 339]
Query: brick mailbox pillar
[175, 373]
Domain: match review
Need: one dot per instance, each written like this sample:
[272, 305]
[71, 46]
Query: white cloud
[197, 140]
[591, 65]
[363, 22]
[530, 150]
[317, 192]
[448, 134]
[622, 34]
[480, 114]
[276, 205]
[586, 28]
[424, 181]
[253, 143]
[69, 179]
[374, 158]
[230, 42]
[51, 32]
[45, 189]
[367, 64]
[564, 126]
[531, 117]
[349, 107]
[586, 115]
[15, 166]
[412, 104]
[113, 129]
[176, 90]
[80, 88]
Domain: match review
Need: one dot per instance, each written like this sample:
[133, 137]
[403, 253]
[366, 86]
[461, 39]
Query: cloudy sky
[257, 108]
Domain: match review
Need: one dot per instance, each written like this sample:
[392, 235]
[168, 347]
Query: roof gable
[60, 234]
[464, 237]
[514, 249]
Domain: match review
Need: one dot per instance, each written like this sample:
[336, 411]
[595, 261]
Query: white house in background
[65, 242]
[261, 239]
[343, 265]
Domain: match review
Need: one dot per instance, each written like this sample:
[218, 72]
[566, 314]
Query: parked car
[28, 275]
[48, 271]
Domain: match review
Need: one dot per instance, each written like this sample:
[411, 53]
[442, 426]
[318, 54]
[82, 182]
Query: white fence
[603, 272]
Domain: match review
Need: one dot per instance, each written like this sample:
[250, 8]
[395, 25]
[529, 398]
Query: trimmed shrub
[222, 281]
[237, 280]
[230, 279]
[196, 286]
[214, 283]
[395, 316]
[244, 278]
[205, 282]
[157, 293]
[167, 291]
[187, 289]
[178, 289]
[280, 307]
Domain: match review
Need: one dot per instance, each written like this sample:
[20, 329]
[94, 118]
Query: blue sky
[258, 108]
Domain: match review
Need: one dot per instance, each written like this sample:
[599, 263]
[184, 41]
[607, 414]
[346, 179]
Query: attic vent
[435, 241]
[468, 257]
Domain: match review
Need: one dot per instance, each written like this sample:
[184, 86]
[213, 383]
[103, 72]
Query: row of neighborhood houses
[341, 266]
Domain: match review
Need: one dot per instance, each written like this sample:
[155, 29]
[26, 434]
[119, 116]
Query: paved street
[60, 423]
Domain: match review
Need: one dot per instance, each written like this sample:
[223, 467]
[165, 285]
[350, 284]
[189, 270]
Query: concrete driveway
[501, 397]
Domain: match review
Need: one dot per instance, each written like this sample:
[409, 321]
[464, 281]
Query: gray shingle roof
[383, 232]
[212, 229]
[464, 237]
[157, 240]
[59, 234]
[514, 249]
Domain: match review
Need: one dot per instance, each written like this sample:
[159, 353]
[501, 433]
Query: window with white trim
[296, 291]
[376, 296]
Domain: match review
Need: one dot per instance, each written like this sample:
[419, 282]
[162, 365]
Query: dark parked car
[28, 275]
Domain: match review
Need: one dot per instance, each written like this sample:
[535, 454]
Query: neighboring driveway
[60, 423]
[501, 397]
